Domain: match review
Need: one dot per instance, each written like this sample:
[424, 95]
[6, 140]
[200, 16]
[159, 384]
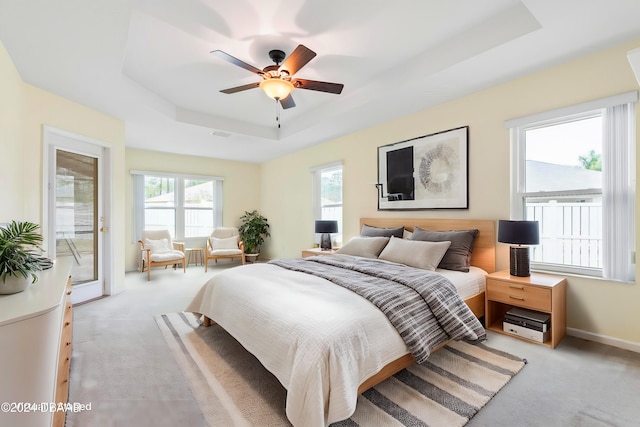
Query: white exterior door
[76, 212]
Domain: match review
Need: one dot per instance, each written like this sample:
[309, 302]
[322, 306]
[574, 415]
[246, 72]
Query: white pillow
[415, 253]
[228, 243]
[158, 246]
[367, 247]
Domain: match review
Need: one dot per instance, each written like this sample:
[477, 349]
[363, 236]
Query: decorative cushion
[224, 232]
[369, 231]
[414, 253]
[227, 243]
[458, 256]
[161, 246]
[367, 247]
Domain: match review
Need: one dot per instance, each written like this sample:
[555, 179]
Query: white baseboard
[604, 339]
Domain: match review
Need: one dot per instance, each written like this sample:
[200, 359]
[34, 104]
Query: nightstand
[317, 251]
[540, 292]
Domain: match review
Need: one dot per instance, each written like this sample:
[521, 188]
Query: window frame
[518, 194]
[179, 202]
[317, 206]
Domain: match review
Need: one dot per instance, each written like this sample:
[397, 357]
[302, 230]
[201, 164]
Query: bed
[325, 343]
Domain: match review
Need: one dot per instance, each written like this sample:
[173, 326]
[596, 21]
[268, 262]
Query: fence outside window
[570, 232]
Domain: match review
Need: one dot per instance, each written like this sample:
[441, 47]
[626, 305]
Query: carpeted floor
[122, 365]
[233, 388]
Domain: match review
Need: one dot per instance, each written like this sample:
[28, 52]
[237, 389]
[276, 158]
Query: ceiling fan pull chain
[278, 113]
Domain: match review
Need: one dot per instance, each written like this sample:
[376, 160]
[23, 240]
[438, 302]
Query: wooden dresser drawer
[64, 359]
[523, 295]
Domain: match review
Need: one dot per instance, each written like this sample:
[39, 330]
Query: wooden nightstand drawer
[540, 292]
[522, 295]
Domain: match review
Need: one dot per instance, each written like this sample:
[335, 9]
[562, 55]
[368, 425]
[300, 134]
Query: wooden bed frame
[483, 256]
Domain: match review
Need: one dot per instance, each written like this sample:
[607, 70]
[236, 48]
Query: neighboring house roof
[543, 176]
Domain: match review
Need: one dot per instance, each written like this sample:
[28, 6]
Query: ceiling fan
[277, 80]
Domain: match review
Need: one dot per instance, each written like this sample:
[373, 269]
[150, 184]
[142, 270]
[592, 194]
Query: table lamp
[325, 228]
[519, 233]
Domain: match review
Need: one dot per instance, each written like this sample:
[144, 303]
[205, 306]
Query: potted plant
[253, 231]
[20, 256]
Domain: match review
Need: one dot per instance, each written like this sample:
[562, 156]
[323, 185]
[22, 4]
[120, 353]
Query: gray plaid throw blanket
[423, 306]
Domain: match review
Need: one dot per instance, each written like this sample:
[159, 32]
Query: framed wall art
[428, 172]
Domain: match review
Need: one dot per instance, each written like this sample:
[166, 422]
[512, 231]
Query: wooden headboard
[484, 246]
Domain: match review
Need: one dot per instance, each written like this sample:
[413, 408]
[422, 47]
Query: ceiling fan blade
[298, 59]
[235, 61]
[319, 86]
[287, 102]
[240, 88]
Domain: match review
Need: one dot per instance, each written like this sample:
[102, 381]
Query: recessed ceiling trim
[230, 125]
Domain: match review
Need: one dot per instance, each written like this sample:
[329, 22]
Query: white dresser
[35, 348]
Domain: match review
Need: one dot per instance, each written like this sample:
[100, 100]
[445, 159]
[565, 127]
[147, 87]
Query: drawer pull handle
[517, 287]
[518, 298]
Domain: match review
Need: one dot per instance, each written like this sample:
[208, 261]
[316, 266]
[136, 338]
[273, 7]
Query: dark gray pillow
[458, 256]
[369, 231]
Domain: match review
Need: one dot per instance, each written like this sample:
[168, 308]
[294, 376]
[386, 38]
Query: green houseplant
[20, 256]
[253, 230]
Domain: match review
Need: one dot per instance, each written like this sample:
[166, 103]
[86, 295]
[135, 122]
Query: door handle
[103, 229]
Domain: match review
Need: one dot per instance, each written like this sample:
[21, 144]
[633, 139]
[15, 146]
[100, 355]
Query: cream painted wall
[596, 306]
[11, 112]
[46, 109]
[24, 186]
[241, 187]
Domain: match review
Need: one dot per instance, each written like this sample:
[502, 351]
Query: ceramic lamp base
[325, 241]
[519, 261]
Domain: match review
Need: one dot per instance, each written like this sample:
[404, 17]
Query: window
[574, 172]
[327, 195]
[187, 206]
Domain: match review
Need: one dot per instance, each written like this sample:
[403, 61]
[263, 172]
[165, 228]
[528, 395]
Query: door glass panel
[76, 210]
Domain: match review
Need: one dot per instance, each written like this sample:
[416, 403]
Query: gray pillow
[414, 253]
[369, 231]
[368, 247]
[458, 256]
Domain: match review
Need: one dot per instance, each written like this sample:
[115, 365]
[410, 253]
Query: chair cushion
[161, 246]
[227, 243]
[221, 252]
[167, 256]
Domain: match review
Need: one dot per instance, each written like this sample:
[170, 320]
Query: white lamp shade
[276, 88]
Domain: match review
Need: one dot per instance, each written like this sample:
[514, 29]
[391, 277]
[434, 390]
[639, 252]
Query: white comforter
[320, 340]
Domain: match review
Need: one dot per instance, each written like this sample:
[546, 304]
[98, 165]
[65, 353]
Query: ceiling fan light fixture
[276, 88]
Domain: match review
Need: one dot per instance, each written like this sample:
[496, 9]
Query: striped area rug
[233, 389]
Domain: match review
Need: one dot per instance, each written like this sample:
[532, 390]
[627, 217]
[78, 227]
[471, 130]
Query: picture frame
[427, 172]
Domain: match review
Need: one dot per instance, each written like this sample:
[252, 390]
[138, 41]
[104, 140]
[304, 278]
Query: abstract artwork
[428, 172]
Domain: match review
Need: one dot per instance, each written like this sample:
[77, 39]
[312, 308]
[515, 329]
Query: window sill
[581, 276]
